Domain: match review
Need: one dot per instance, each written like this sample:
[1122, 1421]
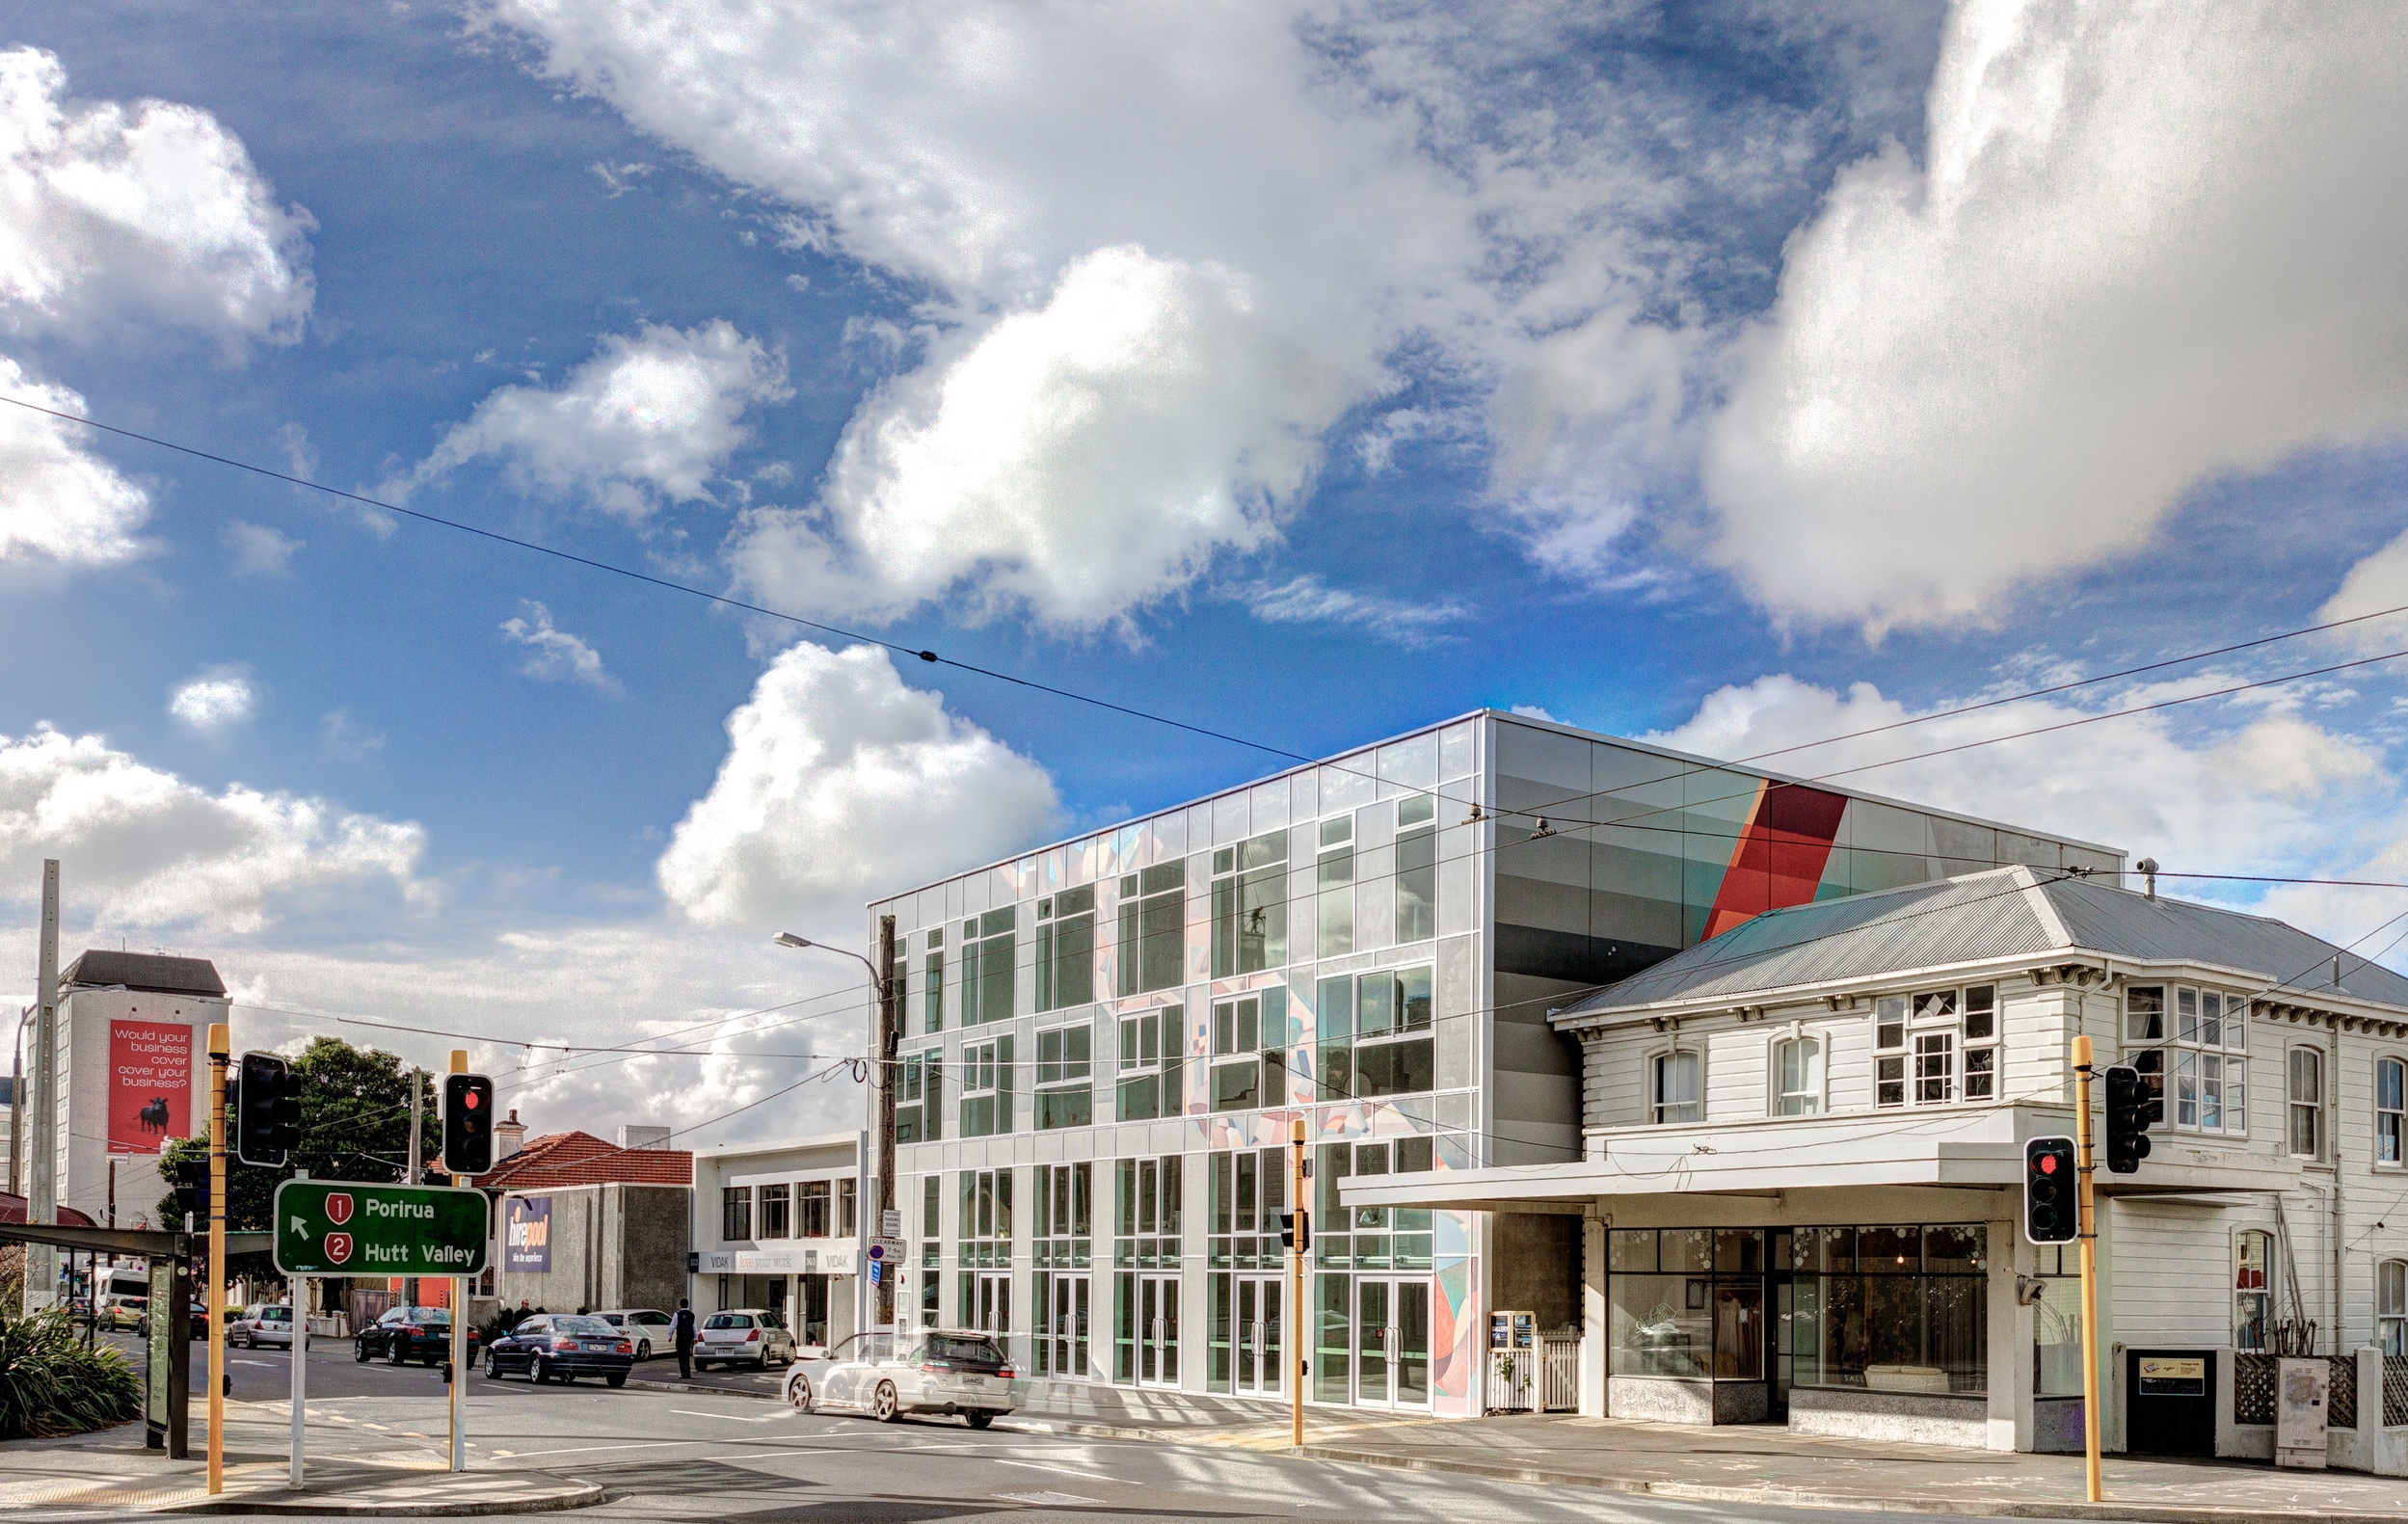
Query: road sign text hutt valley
[326, 1227]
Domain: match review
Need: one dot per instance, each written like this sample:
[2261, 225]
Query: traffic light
[2128, 1119]
[2050, 1211]
[468, 1125]
[1295, 1231]
[267, 1110]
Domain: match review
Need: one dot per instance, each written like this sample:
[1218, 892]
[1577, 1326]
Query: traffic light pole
[220, 1042]
[1297, 1323]
[2087, 1221]
[460, 1328]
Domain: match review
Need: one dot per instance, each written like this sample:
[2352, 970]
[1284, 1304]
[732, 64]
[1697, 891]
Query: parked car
[648, 1327]
[264, 1325]
[744, 1336]
[561, 1346]
[957, 1372]
[408, 1333]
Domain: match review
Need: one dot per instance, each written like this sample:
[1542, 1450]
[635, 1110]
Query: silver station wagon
[890, 1376]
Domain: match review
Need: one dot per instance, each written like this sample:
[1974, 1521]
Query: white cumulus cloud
[60, 505]
[840, 778]
[646, 417]
[1159, 251]
[258, 549]
[153, 210]
[2248, 787]
[216, 698]
[1075, 460]
[555, 654]
[144, 849]
[2148, 244]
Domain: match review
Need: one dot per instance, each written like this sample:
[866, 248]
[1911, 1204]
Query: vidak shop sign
[526, 1235]
[326, 1227]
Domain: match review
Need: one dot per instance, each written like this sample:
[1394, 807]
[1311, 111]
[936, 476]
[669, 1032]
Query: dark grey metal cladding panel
[1573, 958]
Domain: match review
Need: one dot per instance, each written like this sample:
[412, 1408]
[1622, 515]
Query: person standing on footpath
[683, 1329]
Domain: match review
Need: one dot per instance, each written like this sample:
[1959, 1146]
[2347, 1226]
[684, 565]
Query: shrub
[51, 1385]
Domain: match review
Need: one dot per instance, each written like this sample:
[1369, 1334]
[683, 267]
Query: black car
[411, 1333]
[560, 1345]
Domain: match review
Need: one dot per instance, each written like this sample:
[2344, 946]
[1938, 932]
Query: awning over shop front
[1952, 1149]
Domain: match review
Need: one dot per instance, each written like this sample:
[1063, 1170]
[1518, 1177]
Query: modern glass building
[1106, 1042]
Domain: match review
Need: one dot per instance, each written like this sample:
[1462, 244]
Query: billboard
[150, 1084]
[526, 1235]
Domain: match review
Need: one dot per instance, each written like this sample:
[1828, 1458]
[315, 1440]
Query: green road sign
[330, 1227]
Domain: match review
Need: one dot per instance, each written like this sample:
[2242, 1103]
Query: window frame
[2244, 1292]
[1058, 1089]
[985, 1075]
[979, 989]
[2391, 1305]
[1947, 1052]
[1064, 959]
[1816, 1096]
[1132, 1068]
[1258, 863]
[735, 1214]
[2390, 1122]
[1144, 916]
[2295, 1109]
[2187, 1075]
[1655, 1102]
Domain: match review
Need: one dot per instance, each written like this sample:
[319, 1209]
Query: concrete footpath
[351, 1471]
[1750, 1463]
[1770, 1466]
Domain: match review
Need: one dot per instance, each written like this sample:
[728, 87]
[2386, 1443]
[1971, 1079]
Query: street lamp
[882, 1117]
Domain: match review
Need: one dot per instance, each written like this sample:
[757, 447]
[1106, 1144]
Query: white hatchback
[744, 1336]
[266, 1325]
[954, 1373]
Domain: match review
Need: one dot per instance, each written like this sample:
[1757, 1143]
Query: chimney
[632, 1136]
[509, 1136]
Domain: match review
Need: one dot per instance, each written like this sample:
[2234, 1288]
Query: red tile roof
[581, 1158]
[12, 1210]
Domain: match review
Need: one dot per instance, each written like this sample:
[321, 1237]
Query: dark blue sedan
[561, 1347]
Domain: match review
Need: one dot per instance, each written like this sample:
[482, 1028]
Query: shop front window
[1891, 1308]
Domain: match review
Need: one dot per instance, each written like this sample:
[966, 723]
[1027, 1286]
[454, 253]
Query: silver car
[265, 1325]
[743, 1336]
[652, 1329]
[887, 1377]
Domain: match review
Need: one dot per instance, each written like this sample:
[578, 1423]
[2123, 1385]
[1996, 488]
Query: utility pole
[41, 1261]
[410, 1285]
[221, 1041]
[889, 1042]
[2086, 1215]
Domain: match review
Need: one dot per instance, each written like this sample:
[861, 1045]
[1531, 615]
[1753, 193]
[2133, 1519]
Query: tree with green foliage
[355, 1125]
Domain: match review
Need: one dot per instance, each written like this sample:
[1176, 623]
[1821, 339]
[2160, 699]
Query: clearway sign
[327, 1227]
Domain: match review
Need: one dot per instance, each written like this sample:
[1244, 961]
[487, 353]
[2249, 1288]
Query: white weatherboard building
[1800, 1195]
[1107, 1041]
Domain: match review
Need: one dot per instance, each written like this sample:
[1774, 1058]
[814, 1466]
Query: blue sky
[1306, 372]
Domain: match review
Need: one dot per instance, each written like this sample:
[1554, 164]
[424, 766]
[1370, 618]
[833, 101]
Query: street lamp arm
[787, 939]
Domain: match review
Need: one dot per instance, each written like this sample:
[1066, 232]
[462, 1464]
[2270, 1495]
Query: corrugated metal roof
[2004, 912]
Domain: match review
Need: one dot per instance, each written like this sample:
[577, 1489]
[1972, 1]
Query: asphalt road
[682, 1456]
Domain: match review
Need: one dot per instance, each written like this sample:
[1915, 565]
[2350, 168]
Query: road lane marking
[729, 1418]
[1092, 1476]
[578, 1450]
[1046, 1500]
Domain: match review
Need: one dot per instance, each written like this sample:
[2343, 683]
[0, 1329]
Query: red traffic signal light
[467, 1135]
[2051, 1209]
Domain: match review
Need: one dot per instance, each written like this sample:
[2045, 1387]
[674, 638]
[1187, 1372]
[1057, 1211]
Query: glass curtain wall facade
[1368, 946]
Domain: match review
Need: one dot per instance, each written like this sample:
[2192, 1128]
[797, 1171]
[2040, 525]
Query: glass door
[1061, 1345]
[1260, 1335]
[1158, 1330]
[1392, 1342]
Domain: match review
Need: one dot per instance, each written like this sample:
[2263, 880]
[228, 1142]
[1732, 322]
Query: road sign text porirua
[330, 1227]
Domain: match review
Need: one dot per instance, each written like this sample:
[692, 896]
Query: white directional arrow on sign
[300, 1227]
